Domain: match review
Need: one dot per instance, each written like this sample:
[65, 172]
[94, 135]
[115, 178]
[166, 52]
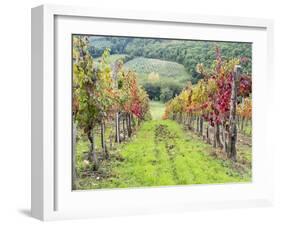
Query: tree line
[162, 90]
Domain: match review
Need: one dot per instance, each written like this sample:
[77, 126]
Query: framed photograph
[136, 112]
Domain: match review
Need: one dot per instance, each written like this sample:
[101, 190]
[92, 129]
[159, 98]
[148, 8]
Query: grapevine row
[103, 94]
[220, 100]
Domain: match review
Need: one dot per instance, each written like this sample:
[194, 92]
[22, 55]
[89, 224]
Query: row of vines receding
[218, 106]
[108, 104]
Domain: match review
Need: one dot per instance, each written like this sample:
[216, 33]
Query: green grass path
[162, 153]
[157, 109]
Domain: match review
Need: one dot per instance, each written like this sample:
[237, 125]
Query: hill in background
[165, 66]
[185, 52]
[166, 69]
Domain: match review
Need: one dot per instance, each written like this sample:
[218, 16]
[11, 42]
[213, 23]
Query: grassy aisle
[157, 109]
[163, 153]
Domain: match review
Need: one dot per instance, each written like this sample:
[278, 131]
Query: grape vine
[105, 96]
[217, 99]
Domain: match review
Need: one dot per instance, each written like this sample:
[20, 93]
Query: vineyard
[165, 69]
[123, 136]
[214, 99]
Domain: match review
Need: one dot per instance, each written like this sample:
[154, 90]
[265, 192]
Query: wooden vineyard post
[224, 139]
[207, 134]
[201, 126]
[116, 66]
[92, 151]
[103, 140]
[117, 127]
[130, 126]
[124, 128]
[232, 118]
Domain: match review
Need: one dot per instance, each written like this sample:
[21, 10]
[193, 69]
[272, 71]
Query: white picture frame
[52, 197]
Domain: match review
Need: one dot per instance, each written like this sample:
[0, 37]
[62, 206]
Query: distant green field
[157, 109]
[166, 69]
